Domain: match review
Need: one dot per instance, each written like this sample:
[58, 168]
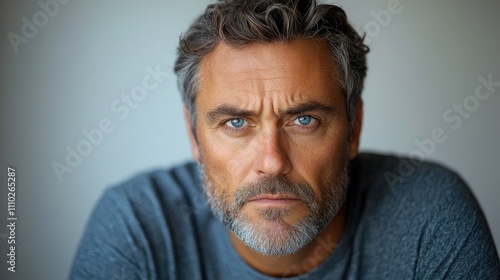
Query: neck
[303, 261]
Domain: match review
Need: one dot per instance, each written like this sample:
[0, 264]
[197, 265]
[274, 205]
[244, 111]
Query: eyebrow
[308, 107]
[229, 110]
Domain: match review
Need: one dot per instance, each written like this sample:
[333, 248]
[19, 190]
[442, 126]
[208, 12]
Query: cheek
[226, 164]
[320, 162]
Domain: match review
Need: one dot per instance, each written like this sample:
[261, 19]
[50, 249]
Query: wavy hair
[239, 23]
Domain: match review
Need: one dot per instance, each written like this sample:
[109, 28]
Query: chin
[273, 234]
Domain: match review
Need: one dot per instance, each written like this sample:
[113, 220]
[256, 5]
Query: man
[272, 93]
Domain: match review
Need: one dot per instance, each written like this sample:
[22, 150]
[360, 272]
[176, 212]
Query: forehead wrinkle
[257, 89]
[243, 78]
[267, 105]
[262, 79]
[262, 88]
[256, 66]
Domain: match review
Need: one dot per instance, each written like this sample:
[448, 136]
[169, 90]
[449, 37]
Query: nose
[272, 155]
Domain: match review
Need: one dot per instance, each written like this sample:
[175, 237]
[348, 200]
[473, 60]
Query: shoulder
[412, 191]
[175, 193]
[135, 225]
[173, 185]
[406, 181]
[424, 214]
[176, 179]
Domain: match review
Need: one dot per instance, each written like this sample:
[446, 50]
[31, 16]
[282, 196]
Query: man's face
[273, 141]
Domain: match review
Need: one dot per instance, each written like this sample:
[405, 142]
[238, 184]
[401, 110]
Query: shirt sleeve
[455, 242]
[111, 244]
[417, 220]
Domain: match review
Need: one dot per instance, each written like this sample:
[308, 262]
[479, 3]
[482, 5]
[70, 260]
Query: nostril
[273, 161]
[272, 153]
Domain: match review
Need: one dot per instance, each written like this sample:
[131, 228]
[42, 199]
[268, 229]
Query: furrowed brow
[225, 111]
[308, 107]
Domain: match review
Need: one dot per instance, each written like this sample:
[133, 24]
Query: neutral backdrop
[72, 73]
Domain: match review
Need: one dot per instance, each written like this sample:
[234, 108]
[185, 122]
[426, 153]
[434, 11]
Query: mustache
[273, 185]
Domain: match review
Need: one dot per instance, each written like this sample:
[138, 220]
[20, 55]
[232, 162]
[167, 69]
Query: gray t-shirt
[406, 220]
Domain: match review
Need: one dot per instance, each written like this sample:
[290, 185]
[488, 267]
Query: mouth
[274, 200]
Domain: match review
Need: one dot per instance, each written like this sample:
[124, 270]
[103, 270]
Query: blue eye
[304, 120]
[236, 123]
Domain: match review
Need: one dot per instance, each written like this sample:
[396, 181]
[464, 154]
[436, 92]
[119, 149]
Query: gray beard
[282, 238]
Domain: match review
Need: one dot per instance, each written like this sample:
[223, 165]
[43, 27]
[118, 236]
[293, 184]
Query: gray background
[64, 80]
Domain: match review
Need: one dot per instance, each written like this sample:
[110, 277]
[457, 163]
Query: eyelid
[309, 128]
[236, 131]
[228, 121]
[314, 119]
[226, 124]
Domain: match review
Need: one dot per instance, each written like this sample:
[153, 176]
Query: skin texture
[269, 89]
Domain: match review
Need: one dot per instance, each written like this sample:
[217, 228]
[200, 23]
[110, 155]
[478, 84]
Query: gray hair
[239, 23]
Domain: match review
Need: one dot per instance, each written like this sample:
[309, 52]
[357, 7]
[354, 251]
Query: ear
[356, 131]
[194, 144]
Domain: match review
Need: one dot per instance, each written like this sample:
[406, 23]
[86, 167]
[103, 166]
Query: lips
[274, 199]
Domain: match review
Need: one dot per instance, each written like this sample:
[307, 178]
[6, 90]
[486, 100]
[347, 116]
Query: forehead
[301, 66]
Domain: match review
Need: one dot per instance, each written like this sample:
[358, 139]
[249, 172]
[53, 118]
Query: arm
[110, 248]
[456, 242]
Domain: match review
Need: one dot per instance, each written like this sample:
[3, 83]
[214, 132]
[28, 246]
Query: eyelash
[304, 128]
[234, 129]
